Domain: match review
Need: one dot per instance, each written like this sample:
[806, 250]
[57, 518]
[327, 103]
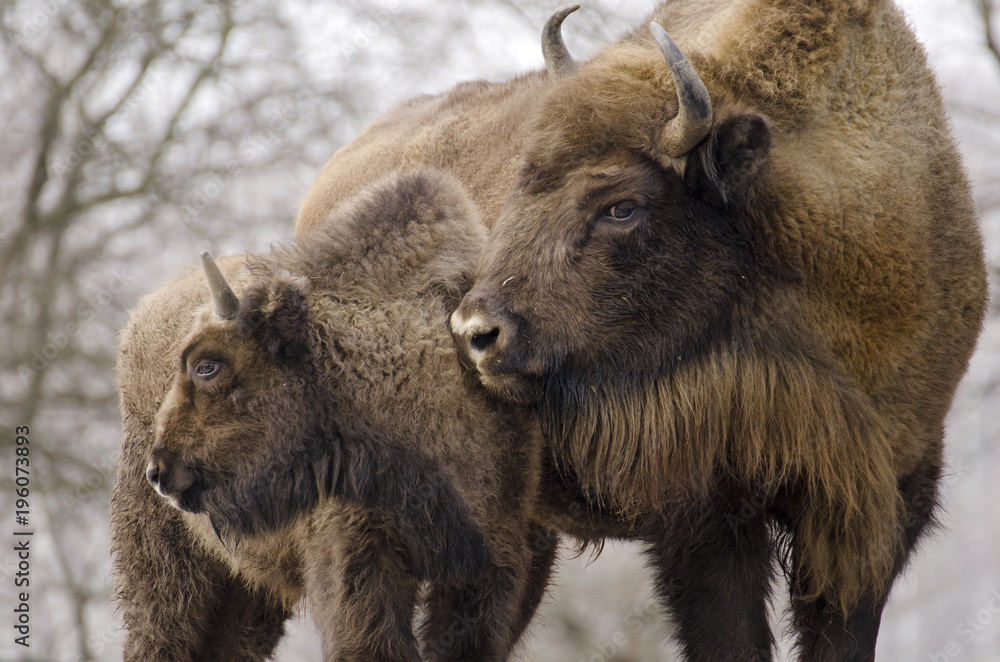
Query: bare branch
[79, 595]
[987, 11]
[207, 71]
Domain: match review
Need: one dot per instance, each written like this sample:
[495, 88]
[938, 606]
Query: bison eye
[622, 211]
[207, 369]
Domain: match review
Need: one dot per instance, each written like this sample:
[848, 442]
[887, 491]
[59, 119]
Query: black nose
[481, 336]
[485, 340]
[170, 476]
[153, 473]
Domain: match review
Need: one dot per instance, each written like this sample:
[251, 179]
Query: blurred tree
[132, 127]
[988, 192]
[139, 131]
[987, 11]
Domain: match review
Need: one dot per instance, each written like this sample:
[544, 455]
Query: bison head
[624, 249]
[242, 407]
[624, 244]
[295, 391]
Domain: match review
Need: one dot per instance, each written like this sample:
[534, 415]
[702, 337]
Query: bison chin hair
[444, 542]
[777, 424]
[518, 389]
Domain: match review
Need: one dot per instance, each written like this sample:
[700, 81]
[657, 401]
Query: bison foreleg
[826, 634]
[544, 544]
[247, 626]
[482, 619]
[714, 569]
[361, 593]
[443, 538]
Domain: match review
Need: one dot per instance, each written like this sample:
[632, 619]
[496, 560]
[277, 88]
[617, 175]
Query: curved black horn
[226, 303]
[694, 107]
[558, 62]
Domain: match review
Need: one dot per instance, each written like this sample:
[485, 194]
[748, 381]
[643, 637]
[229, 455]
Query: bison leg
[179, 603]
[544, 545]
[825, 635]
[247, 626]
[187, 607]
[472, 621]
[360, 589]
[713, 573]
[482, 619]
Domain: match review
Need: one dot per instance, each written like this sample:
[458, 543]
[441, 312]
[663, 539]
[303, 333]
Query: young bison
[316, 438]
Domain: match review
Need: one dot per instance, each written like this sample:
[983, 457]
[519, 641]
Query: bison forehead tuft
[620, 100]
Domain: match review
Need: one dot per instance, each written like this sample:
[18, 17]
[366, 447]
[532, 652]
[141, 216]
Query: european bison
[318, 440]
[741, 288]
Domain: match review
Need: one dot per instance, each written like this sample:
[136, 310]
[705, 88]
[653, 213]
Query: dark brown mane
[776, 418]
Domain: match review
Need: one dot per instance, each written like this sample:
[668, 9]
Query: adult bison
[741, 288]
[318, 440]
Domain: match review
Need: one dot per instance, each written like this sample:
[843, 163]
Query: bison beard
[439, 531]
[760, 422]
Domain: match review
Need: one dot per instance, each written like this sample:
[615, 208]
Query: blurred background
[137, 132]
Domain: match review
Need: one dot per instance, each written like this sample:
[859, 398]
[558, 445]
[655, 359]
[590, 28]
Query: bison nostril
[483, 341]
[153, 473]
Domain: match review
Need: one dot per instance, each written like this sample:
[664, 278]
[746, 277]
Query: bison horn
[694, 106]
[226, 303]
[558, 62]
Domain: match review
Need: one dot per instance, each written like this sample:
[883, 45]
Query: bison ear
[276, 313]
[724, 168]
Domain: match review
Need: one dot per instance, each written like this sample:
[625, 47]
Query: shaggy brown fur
[782, 316]
[473, 132]
[781, 320]
[325, 445]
